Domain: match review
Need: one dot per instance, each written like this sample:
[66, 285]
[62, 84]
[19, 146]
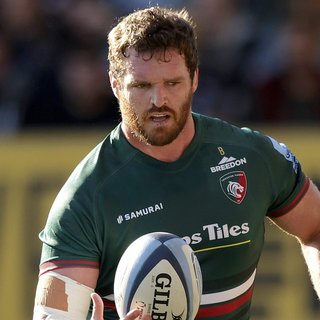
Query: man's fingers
[134, 314]
[98, 307]
[131, 315]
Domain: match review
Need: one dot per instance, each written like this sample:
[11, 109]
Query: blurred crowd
[259, 61]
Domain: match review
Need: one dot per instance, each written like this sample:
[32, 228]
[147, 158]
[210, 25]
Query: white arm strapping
[61, 298]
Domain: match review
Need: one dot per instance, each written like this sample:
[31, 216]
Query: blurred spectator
[41, 38]
[77, 93]
[8, 111]
[293, 92]
[227, 38]
[26, 48]
[86, 24]
[53, 66]
[124, 6]
[307, 11]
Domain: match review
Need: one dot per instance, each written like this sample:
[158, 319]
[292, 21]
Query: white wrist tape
[61, 298]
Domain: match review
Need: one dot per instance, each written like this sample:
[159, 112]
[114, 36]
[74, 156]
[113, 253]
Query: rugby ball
[160, 275]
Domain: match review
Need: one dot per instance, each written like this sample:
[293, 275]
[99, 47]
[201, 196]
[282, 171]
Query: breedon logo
[228, 163]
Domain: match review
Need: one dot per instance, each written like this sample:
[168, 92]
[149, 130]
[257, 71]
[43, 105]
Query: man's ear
[114, 85]
[195, 80]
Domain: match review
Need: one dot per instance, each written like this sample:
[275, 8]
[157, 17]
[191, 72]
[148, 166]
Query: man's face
[155, 96]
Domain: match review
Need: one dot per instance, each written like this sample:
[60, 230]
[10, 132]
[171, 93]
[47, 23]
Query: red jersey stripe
[292, 204]
[58, 264]
[223, 309]
[109, 304]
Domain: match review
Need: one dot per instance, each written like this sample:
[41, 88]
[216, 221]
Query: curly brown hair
[149, 31]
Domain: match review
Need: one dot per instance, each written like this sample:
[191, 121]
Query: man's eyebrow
[134, 82]
[175, 79]
[137, 82]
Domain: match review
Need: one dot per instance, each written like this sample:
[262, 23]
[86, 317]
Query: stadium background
[259, 68]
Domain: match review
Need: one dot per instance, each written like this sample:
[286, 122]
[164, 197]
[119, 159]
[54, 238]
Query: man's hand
[97, 313]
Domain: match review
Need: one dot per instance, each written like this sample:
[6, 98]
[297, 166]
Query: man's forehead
[161, 56]
[140, 62]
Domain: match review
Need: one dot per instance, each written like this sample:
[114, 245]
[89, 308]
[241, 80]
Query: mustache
[155, 109]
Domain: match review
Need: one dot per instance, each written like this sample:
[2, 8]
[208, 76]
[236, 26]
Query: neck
[168, 153]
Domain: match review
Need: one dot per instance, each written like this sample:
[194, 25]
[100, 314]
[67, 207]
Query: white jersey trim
[230, 294]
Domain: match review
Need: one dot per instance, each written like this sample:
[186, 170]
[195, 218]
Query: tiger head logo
[235, 189]
[234, 186]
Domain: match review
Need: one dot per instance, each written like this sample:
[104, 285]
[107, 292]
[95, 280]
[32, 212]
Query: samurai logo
[234, 186]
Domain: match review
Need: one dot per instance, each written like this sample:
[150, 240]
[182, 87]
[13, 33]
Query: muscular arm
[86, 276]
[65, 293]
[50, 293]
[303, 221]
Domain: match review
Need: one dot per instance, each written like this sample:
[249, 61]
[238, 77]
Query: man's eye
[140, 85]
[172, 83]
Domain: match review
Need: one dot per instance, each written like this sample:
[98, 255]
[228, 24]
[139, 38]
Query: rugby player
[166, 168]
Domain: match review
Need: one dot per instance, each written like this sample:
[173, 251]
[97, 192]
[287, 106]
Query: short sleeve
[288, 180]
[71, 236]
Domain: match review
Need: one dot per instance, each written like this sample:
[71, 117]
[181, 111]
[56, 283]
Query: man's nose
[159, 96]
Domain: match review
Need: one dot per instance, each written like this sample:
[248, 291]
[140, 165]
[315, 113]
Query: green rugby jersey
[216, 196]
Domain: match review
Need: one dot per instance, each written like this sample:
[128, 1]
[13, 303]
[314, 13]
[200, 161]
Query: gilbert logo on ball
[160, 275]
